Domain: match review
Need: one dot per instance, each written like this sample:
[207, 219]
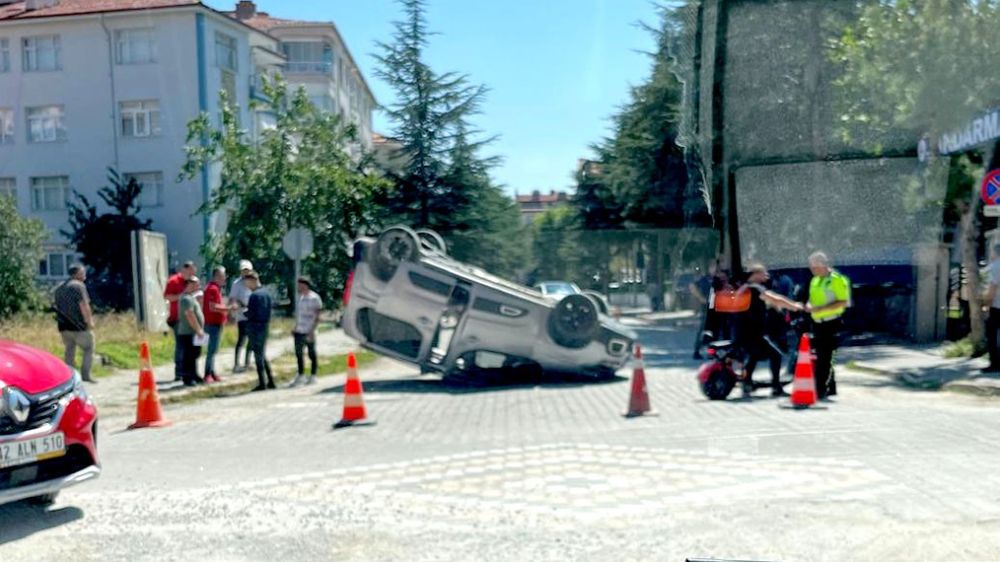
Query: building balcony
[304, 67]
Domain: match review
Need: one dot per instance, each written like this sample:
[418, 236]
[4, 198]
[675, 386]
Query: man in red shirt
[172, 293]
[215, 318]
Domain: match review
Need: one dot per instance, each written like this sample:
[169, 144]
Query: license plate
[32, 450]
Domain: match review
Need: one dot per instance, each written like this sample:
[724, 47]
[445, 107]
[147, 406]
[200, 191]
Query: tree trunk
[969, 230]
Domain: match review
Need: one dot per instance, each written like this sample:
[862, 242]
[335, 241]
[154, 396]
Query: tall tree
[913, 67]
[20, 249]
[299, 173]
[105, 240]
[430, 111]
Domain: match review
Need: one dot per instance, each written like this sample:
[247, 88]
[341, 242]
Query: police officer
[829, 297]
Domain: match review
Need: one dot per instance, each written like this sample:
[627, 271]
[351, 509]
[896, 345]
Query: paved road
[538, 472]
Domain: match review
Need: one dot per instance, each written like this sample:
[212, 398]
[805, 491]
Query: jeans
[83, 340]
[178, 353]
[826, 337]
[214, 337]
[189, 360]
[242, 328]
[992, 327]
[258, 344]
[302, 341]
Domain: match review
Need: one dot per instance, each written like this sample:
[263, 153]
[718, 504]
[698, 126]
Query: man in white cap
[239, 296]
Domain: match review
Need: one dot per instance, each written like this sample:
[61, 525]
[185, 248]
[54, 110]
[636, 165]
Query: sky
[556, 69]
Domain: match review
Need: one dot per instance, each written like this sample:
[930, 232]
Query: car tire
[432, 241]
[602, 306]
[573, 322]
[44, 501]
[719, 384]
[394, 246]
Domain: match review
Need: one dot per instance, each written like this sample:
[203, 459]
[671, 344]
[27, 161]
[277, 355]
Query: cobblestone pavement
[550, 471]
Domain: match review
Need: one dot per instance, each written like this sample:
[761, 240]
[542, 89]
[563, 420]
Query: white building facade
[84, 88]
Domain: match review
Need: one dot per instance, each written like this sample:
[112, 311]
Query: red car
[48, 426]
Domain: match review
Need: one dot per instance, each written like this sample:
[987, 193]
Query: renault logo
[16, 405]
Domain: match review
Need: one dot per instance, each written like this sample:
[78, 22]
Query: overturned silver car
[407, 299]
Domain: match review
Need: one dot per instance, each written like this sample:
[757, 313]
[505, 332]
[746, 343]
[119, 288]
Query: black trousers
[242, 329]
[826, 338]
[302, 341]
[992, 327]
[258, 344]
[189, 357]
[762, 349]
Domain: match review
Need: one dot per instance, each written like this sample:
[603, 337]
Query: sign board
[991, 211]
[980, 130]
[990, 190]
[149, 278]
[297, 243]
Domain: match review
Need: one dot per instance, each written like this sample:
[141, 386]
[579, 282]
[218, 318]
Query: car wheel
[719, 384]
[599, 301]
[394, 246]
[44, 501]
[573, 322]
[432, 241]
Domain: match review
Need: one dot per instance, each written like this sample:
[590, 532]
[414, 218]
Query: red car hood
[29, 369]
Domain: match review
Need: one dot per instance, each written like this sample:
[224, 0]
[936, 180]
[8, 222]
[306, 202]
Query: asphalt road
[548, 471]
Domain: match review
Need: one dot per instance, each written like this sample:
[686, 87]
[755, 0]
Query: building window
[6, 126]
[8, 188]
[41, 53]
[225, 51]
[45, 124]
[152, 187]
[55, 265]
[135, 46]
[50, 193]
[311, 56]
[4, 55]
[228, 82]
[140, 118]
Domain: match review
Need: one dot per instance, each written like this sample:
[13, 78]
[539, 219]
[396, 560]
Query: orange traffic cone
[638, 402]
[354, 403]
[147, 412]
[804, 385]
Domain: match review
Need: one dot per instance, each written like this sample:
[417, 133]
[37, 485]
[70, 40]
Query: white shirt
[241, 294]
[307, 310]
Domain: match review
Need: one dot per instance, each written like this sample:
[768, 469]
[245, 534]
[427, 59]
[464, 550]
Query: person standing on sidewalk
[172, 293]
[993, 320]
[258, 323]
[215, 319]
[191, 324]
[829, 297]
[239, 295]
[701, 290]
[307, 311]
[75, 319]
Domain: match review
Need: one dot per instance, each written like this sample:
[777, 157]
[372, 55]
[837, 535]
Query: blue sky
[556, 69]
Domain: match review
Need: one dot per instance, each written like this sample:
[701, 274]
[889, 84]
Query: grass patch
[284, 369]
[118, 338]
[961, 349]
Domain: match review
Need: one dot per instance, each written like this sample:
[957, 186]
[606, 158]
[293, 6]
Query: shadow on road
[489, 383]
[22, 519]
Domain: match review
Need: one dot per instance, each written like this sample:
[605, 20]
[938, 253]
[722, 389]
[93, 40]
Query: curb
[965, 387]
[915, 381]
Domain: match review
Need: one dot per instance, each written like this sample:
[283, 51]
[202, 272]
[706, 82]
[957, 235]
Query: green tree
[924, 67]
[20, 249]
[105, 239]
[556, 244]
[299, 173]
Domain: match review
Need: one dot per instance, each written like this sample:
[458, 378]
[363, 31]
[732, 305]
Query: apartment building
[91, 84]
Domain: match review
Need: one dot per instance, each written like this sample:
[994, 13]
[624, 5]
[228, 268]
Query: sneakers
[239, 369]
[311, 381]
[299, 381]
[778, 393]
[258, 388]
[271, 385]
[211, 378]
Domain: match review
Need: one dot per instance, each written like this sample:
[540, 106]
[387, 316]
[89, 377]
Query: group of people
[197, 318]
[760, 331]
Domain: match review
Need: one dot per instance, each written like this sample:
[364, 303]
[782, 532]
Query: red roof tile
[264, 22]
[18, 10]
[552, 197]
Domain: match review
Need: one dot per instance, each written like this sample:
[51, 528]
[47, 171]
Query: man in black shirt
[75, 319]
[258, 315]
[756, 334]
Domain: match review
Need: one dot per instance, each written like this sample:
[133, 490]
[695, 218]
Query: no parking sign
[990, 192]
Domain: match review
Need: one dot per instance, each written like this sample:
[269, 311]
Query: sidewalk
[116, 393]
[922, 367]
